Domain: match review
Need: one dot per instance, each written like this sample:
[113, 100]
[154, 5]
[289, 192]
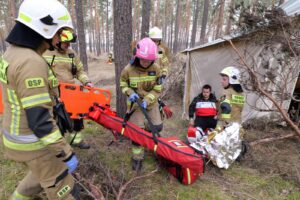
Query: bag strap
[151, 126]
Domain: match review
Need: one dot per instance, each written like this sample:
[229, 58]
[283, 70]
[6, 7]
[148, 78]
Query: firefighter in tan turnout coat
[68, 68]
[141, 80]
[29, 132]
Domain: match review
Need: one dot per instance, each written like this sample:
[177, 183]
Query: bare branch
[95, 191]
[295, 99]
[123, 188]
[260, 89]
[271, 139]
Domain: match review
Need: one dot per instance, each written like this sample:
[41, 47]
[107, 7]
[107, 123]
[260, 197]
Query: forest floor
[268, 172]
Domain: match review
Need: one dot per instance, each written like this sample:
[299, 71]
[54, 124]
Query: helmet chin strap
[147, 66]
[49, 41]
[228, 86]
[58, 45]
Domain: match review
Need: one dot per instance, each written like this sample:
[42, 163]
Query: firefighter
[163, 62]
[141, 80]
[68, 68]
[233, 98]
[29, 132]
[110, 58]
[231, 103]
[204, 108]
[163, 52]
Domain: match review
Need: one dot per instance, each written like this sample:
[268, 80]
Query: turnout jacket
[144, 82]
[28, 87]
[202, 107]
[231, 106]
[62, 66]
[163, 60]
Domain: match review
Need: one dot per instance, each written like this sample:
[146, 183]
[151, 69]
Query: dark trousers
[205, 122]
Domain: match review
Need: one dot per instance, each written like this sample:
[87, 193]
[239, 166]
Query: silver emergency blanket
[224, 148]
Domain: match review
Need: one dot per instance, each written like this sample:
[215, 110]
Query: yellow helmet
[233, 73]
[68, 36]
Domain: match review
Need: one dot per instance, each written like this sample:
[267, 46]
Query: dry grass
[268, 172]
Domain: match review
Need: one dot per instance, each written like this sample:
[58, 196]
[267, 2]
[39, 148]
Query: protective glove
[133, 97]
[168, 112]
[72, 163]
[162, 79]
[144, 104]
[91, 85]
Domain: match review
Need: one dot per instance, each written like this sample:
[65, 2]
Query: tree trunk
[138, 26]
[171, 27]
[220, 19]
[12, 14]
[81, 34]
[71, 8]
[102, 26]
[195, 22]
[188, 22]
[90, 27]
[229, 20]
[166, 4]
[145, 18]
[97, 29]
[204, 21]
[281, 2]
[157, 15]
[177, 24]
[122, 40]
[107, 27]
[135, 19]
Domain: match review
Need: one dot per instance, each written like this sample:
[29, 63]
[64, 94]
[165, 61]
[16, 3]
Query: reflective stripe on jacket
[142, 81]
[62, 66]
[28, 84]
[236, 102]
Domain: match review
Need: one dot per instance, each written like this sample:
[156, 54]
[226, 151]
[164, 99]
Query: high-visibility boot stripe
[138, 152]
[17, 196]
[78, 138]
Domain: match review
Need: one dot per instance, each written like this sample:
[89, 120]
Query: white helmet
[45, 17]
[155, 33]
[233, 73]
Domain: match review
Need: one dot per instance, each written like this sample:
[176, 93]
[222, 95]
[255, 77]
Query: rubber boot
[137, 164]
[82, 145]
[245, 149]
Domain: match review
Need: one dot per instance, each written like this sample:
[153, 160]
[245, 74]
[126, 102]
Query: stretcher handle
[152, 127]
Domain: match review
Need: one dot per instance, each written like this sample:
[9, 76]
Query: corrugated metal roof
[291, 7]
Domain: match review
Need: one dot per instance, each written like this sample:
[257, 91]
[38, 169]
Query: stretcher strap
[127, 117]
[151, 126]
